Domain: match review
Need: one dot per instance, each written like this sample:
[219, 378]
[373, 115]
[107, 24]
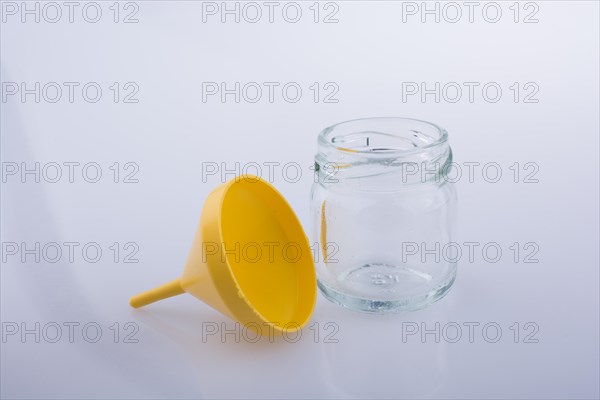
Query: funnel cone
[249, 260]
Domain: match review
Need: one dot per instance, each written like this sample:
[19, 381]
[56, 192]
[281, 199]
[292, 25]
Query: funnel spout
[169, 289]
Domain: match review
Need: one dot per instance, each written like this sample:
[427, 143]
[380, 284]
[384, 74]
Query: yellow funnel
[250, 260]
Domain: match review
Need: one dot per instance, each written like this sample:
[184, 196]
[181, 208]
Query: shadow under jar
[383, 213]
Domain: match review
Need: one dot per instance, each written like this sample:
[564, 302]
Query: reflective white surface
[171, 132]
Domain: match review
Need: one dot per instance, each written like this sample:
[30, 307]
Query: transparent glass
[383, 213]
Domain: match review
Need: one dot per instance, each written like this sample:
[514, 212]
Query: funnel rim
[240, 292]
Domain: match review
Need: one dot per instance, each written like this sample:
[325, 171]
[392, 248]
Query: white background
[170, 132]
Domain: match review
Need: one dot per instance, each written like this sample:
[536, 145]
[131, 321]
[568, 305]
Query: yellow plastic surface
[250, 260]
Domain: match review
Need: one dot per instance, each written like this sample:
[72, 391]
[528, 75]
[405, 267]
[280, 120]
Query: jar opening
[386, 136]
[397, 151]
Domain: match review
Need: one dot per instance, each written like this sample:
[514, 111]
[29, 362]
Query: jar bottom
[398, 282]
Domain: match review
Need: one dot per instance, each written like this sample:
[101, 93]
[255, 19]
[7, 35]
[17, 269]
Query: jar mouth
[385, 136]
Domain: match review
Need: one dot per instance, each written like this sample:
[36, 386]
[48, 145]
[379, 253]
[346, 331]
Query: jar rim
[324, 138]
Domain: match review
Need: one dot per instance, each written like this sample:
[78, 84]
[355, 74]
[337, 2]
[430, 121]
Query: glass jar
[383, 214]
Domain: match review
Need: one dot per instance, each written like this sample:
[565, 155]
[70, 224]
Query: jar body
[383, 214]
